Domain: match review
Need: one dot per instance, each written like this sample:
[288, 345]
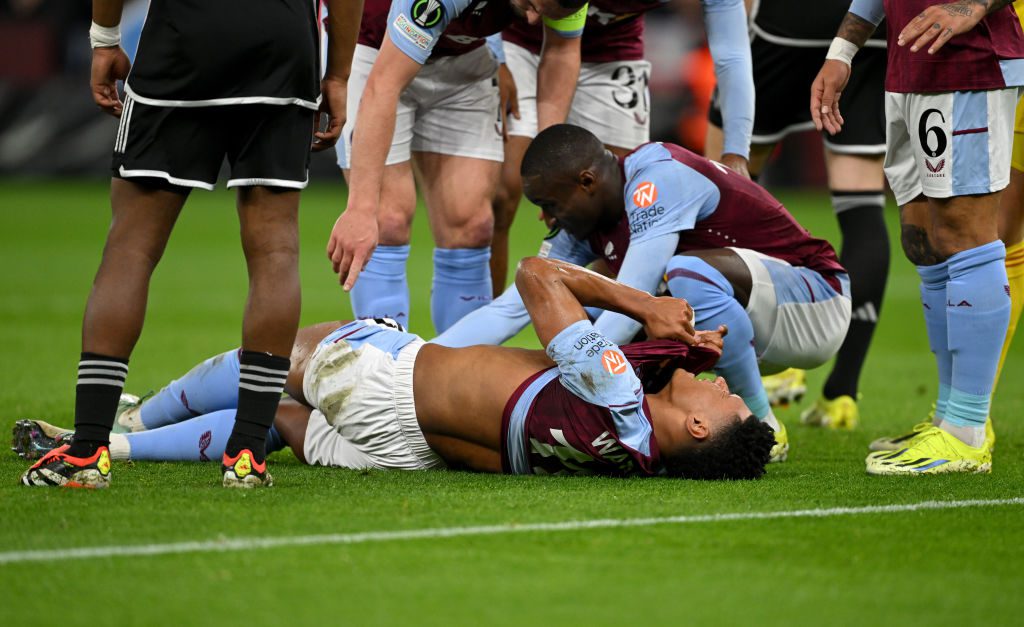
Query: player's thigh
[799, 316]
[291, 421]
[854, 172]
[523, 65]
[269, 221]
[613, 102]
[458, 192]
[142, 218]
[362, 63]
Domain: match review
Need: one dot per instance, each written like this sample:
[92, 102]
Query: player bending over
[369, 395]
[721, 241]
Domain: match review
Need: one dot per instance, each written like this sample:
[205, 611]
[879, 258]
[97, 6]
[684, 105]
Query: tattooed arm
[941, 22]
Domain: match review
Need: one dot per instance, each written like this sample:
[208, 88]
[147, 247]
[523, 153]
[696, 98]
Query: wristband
[104, 36]
[842, 50]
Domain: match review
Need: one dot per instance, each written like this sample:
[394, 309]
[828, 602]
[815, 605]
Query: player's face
[576, 208]
[705, 406]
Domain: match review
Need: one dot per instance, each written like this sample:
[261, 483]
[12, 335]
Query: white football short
[365, 416]
[612, 99]
[799, 319]
[451, 108]
[948, 144]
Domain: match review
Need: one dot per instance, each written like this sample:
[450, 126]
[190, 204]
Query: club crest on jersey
[645, 194]
[427, 13]
[614, 361]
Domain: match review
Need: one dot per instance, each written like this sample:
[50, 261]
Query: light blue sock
[977, 314]
[210, 386]
[714, 303]
[933, 301]
[200, 439]
[382, 290]
[462, 283]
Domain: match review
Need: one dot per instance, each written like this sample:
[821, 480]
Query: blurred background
[49, 126]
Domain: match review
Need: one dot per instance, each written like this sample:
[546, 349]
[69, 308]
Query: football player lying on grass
[369, 395]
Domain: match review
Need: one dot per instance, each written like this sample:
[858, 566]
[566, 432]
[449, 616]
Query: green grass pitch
[947, 567]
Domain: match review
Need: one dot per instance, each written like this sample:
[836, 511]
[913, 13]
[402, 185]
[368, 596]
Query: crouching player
[721, 241]
[370, 395]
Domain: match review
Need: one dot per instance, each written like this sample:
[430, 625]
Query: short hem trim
[157, 174]
[268, 183]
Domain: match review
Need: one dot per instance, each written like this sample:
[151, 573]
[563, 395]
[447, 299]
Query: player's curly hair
[740, 451]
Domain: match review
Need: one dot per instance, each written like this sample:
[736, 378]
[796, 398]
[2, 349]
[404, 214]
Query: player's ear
[587, 181]
[697, 427]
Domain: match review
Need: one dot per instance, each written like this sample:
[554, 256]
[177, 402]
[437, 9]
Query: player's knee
[469, 230]
[696, 280]
[918, 247]
[394, 228]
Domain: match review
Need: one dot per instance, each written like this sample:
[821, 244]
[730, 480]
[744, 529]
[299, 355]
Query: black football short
[184, 147]
[782, 88]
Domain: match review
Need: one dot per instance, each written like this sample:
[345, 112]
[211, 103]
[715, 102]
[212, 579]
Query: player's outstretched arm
[835, 73]
[941, 22]
[343, 18]
[109, 62]
[354, 235]
[557, 75]
[556, 292]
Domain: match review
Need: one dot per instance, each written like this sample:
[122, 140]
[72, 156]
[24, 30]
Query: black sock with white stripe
[100, 383]
[865, 256]
[261, 378]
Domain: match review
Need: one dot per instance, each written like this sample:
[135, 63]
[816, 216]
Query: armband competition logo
[427, 13]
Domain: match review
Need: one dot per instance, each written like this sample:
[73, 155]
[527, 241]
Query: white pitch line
[244, 544]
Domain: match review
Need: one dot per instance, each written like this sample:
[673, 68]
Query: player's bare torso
[460, 393]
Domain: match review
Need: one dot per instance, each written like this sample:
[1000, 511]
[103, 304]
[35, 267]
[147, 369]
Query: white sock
[119, 447]
[971, 436]
[771, 420]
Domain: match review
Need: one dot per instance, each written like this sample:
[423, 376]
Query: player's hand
[940, 23]
[333, 101]
[826, 89]
[712, 339]
[109, 65]
[508, 98]
[736, 163]
[353, 239]
[668, 318]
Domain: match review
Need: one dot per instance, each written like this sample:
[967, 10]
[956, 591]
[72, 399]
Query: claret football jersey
[436, 28]
[989, 56]
[588, 415]
[614, 31]
[672, 190]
